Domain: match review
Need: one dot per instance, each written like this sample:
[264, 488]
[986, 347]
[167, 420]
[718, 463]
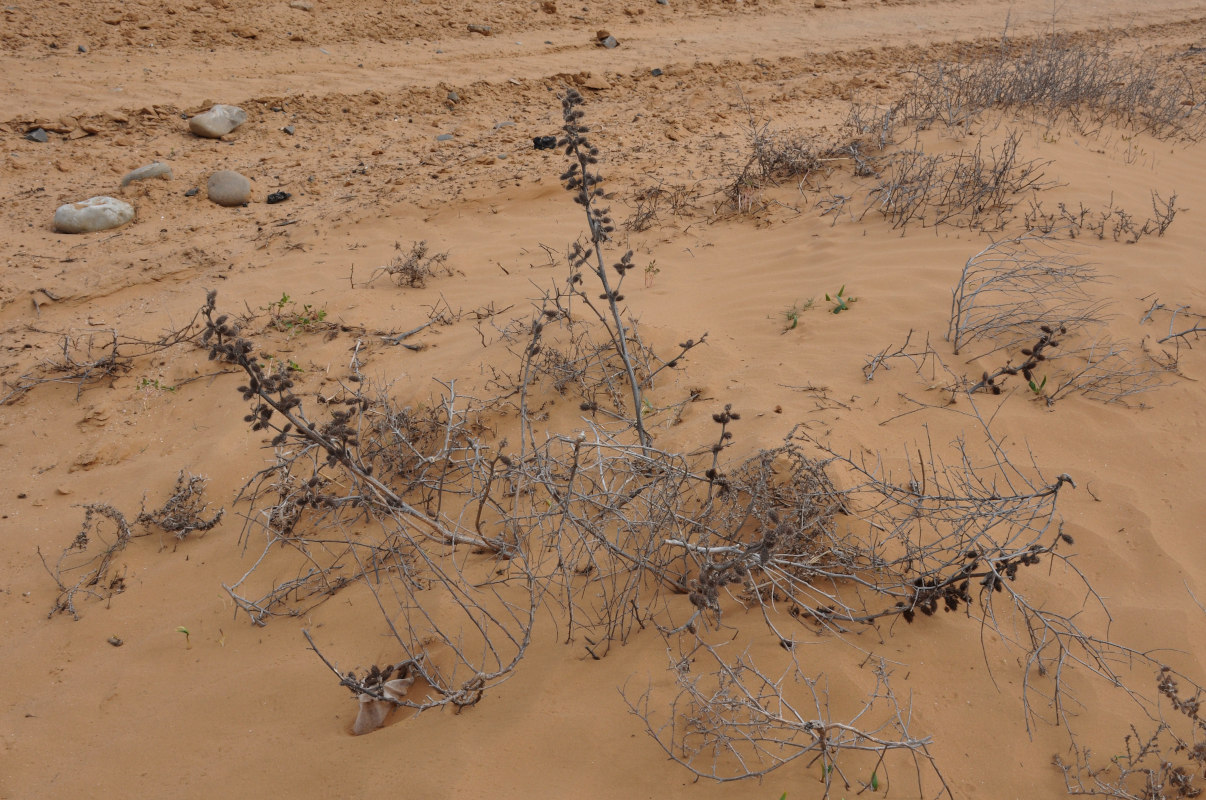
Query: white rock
[156, 169]
[93, 214]
[218, 121]
[228, 188]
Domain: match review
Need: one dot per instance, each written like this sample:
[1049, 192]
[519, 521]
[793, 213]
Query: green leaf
[874, 782]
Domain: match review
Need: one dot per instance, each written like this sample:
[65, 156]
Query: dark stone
[82, 49]
[454, 97]
[278, 197]
[37, 135]
[544, 142]
[288, 129]
[610, 42]
[655, 72]
[192, 192]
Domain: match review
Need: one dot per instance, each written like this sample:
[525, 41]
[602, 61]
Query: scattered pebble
[444, 137]
[302, 5]
[454, 97]
[818, 3]
[93, 214]
[278, 197]
[663, 2]
[288, 129]
[37, 135]
[82, 49]
[602, 34]
[484, 30]
[154, 170]
[192, 192]
[506, 123]
[610, 42]
[655, 72]
[228, 188]
[218, 121]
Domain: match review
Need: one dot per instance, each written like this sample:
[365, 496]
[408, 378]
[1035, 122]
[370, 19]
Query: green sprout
[840, 303]
[792, 314]
[187, 644]
[651, 272]
[1037, 388]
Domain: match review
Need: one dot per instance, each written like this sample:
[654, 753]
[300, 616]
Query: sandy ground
[370, 90]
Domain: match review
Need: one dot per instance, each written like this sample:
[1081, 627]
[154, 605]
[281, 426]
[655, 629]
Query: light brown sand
[248, 711]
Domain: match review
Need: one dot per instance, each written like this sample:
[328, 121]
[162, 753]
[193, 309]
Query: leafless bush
[731, 719]
[89, 358]
[1012, 287]
[1054, 80]
[91, 555]
[1163, 763]
[1113, 222]
[183, 512]
[649, 202]
[413, 268]
[973, 188]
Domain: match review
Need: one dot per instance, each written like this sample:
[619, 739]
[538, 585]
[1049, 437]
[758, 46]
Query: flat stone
[93, 214]
[156, 169]
[302, 5]
[37, 135]
[218, 121]
[228, 188]
[597, 82]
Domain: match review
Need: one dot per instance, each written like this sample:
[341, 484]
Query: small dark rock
[37, 135]
[655, 72]
[454, 97]
[544, 142]
[288, 129]
[192, 192]
[484, 30]
[82, 49]
[610, 42]
[663, 2]
[278, 197]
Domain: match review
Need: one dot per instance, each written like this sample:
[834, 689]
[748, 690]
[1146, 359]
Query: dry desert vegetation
[618, 399]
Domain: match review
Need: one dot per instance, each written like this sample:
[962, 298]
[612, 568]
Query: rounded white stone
[228, 188]
[218, 121]
[93, 214]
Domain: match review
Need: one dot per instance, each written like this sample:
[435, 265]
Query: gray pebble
[93, 214]
[218, 121]
[444, 137]
[288, 129]
[82, 49]
[37, 135]
[228, 188]
[506, 123]
[454, 97]
[192, 192]
[153, 170]
[610, 42]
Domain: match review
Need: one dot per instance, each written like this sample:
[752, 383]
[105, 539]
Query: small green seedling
[187, 644]
[651, 272]
[1037, 388]
[792, 315]
[153, 383]
[840, 303]
[874, 782]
